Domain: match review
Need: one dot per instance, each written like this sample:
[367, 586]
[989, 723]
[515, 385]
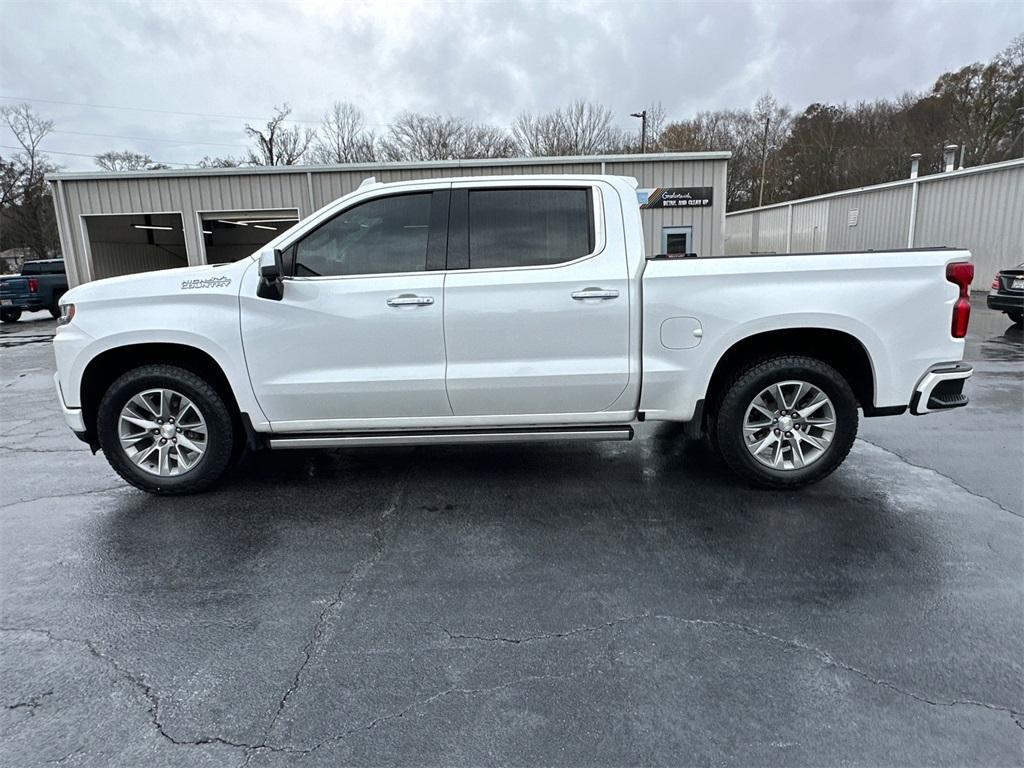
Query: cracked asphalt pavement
[577, 604]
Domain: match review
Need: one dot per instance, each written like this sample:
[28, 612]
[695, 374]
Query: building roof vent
[949, 157]
[915, 163]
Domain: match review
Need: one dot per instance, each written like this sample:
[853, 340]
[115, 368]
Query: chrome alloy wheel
[789, 425]
[162, 432]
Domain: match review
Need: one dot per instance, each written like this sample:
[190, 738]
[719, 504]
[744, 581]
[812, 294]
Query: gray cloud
[487, 61]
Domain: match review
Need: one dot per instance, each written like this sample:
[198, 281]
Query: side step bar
[451, 436]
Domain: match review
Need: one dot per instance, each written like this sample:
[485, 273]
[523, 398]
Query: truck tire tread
[728, 419]
[218, 421]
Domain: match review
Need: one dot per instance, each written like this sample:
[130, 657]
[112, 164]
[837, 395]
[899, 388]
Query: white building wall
[979, 208]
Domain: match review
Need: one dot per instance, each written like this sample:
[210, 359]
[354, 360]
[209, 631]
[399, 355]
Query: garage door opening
[126, 244]
[230, 236]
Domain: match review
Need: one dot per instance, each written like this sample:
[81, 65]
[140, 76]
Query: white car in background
[505, 309]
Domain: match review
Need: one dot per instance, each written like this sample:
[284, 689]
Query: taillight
[995, 283]
[961, 273]
[33, 285]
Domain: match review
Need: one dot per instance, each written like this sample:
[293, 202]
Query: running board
[448, 437]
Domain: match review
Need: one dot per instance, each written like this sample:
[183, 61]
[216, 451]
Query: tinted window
[676, 242]
[384, 235]
[528, 227]
[42, 268]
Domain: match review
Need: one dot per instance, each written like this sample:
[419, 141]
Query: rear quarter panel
[897, 304]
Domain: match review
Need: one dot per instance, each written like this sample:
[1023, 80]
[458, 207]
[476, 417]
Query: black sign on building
[680, 197]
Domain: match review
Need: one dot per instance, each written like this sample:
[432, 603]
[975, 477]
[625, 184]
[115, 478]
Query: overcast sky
[486, 61]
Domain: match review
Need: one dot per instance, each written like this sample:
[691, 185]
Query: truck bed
[897, 304]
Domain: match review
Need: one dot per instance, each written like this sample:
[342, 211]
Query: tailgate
[13, 286]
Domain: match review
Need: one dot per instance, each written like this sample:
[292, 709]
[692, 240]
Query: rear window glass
[529, 227]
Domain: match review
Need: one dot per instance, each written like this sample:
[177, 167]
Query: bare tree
[28, 211]
[343, 137]
[582, 128]
[415, 136]
[11, 176]
[126, 160]
[278, 144]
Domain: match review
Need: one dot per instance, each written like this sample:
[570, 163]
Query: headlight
[67, 314]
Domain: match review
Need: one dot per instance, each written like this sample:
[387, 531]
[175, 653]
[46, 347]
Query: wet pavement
[583, 604]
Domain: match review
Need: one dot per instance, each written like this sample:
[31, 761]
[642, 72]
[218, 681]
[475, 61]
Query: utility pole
[643, 129]
[764, 159]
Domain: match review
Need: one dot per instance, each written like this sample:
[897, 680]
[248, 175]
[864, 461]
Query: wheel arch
[107, 366]
[840, 349]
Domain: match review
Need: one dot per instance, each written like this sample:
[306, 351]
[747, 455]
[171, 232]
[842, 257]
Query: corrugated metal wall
[978, 208]
[112, 259]
[707, 222]
[309, 188]
[984, 213]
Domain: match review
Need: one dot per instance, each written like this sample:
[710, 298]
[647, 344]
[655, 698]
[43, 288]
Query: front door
[537, 308]
[359, 335]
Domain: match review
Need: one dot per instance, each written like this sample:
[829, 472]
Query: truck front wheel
[786, 422]
[165, 430]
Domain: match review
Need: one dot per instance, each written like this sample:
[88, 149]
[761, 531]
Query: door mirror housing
[271, 286]
[270, 264]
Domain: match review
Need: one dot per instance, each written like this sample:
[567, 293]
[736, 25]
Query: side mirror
[271, 270]
[270, 264]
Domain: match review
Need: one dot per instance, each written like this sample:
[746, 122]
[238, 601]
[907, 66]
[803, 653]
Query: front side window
[529, 227]
[388, 234]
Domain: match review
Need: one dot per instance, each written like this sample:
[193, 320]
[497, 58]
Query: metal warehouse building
[980, 208]
[119, 223]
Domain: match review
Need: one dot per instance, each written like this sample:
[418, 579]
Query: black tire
[55, 307]
[220, 431]
[739, 394]
[1016, 317]
[10, 315]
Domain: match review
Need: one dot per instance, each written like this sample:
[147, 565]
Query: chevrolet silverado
[505, 309]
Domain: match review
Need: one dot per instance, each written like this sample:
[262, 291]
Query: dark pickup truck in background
[39, 286]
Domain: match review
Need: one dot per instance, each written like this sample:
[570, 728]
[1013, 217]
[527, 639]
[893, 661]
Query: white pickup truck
[504, 309]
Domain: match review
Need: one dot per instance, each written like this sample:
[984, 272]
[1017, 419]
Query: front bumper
[1005, 302]
[941, 389]
[72, 416]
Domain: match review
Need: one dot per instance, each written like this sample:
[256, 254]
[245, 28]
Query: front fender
[206, 322]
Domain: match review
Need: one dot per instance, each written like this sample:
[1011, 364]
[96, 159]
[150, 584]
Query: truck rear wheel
[10, 315]
[786, 422]
[54, 308]
[165, 430]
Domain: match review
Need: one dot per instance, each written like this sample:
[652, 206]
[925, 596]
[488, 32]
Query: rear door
[536, 304]
[358, 337]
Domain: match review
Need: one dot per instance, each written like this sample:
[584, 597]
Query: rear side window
[388, 234]
[529, 227]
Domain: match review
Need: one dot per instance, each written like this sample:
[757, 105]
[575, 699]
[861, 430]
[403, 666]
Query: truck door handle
[410, 300]
[594, 293]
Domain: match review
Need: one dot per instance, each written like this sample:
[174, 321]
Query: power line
[82, 154]
[144, 109]
[171, 112]
[147, 138]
